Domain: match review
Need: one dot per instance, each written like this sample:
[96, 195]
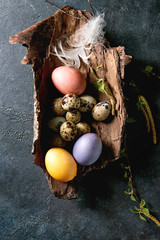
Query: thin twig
[155, 75]
[152, 73]
[65, 11]
[152, 218]
[130, 171]
[142, 210]
[91, 8]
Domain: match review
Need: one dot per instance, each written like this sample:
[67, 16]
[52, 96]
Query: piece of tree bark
[40, 40]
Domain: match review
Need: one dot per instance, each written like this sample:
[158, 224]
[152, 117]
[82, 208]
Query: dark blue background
[28, 210]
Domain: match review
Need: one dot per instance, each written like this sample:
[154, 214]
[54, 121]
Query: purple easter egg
[87, 149]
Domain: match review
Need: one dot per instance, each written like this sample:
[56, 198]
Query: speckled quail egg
[57, 106]
[101, 110]
[57, 141]
[87, 103]
[68, 131]
[74, 116]
[82, 128]
[56, 122]
[70, 102]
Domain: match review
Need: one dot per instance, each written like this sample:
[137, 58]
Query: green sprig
[148, 71]
[98, 67]
[100, 85]
[142, 210]
[103, 87]
[130, 120]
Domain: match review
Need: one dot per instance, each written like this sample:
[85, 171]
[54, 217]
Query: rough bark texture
[40, 40]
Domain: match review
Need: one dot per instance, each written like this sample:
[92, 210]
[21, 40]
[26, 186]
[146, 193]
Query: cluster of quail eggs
[68, 112]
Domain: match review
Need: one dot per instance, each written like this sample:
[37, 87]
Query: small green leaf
[130, 120]
[146, 210]
[122, 164]
[128, 193]
[132, 83]
[129, 184]
[142, 203]
[99, 85]
[127, 167]
[139, 104]
[142, 217]
[148, 69]
[98, 67]
[136, 208]
[93, 72]
[123, 154]
[133, 198]
[133, 211]
[125, 175]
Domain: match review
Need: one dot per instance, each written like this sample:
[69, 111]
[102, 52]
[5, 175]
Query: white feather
[91, 34]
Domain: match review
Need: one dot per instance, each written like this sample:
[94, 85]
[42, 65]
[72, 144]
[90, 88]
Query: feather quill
[88, 36]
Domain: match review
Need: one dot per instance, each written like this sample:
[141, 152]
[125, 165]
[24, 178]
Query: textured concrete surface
[27, 208]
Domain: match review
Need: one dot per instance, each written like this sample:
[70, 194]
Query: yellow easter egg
[60, 164]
